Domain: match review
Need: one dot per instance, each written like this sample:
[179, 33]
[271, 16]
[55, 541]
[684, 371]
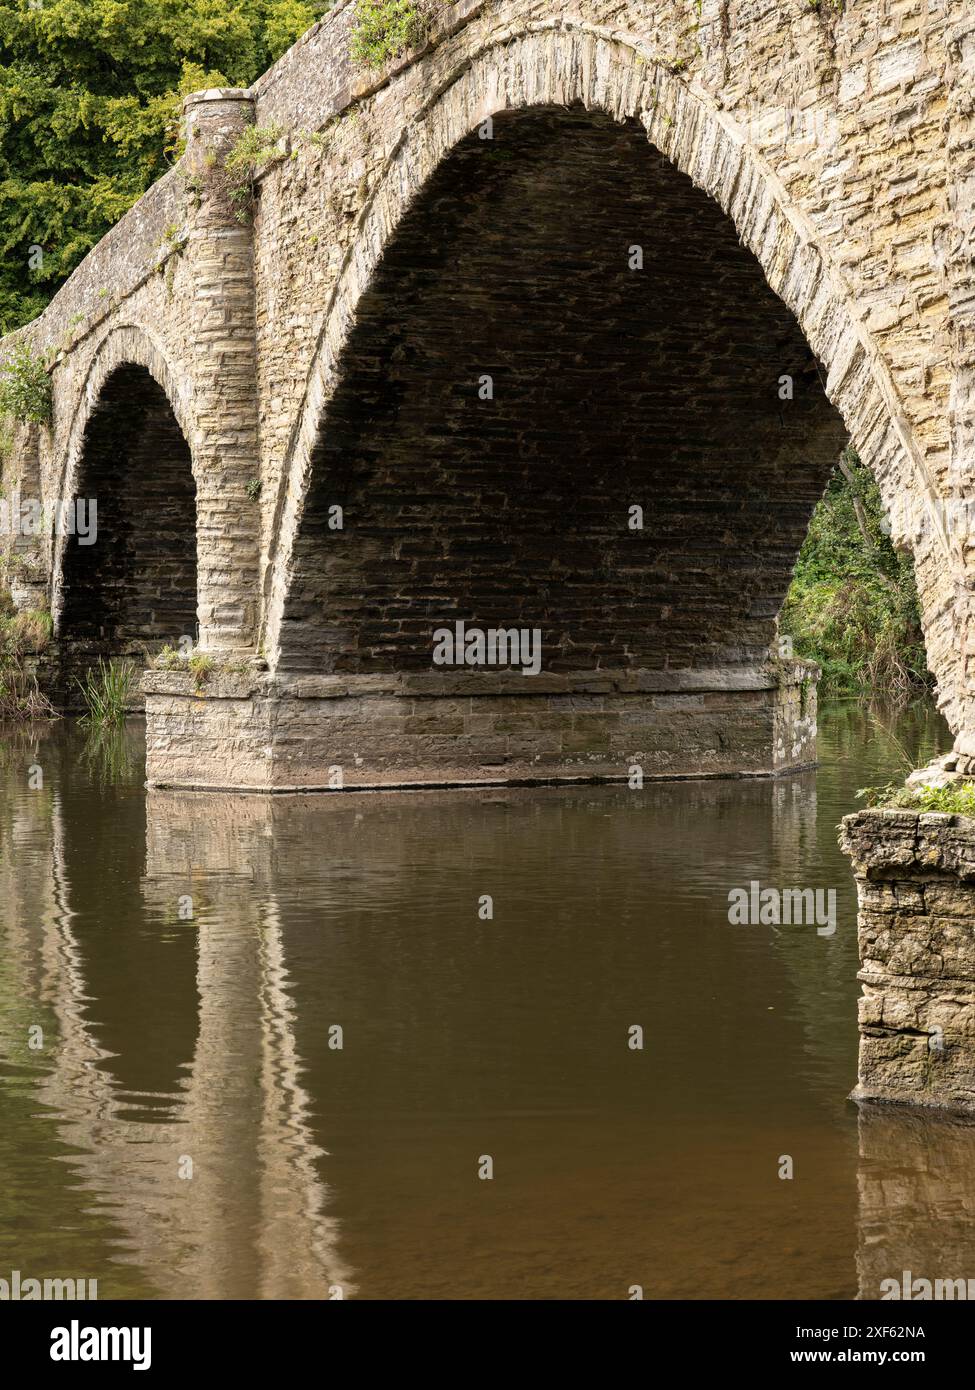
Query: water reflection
[197, 1159]
[189, 958]
[917, 1199]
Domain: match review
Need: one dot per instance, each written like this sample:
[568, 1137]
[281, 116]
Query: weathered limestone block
[915, 877]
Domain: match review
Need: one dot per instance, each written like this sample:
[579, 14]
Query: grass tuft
[106, 691]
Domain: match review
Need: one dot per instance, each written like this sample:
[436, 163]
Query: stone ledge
[610, 682]
[886, 842]
[216, 685]
[435, 684]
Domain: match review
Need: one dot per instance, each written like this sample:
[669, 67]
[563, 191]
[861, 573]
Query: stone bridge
[557, 323]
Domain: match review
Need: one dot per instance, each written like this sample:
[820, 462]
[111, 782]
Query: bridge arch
[563, 64]
[131, 584]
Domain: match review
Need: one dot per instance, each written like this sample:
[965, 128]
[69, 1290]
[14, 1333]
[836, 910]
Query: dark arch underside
[135, 588]
[613, 388]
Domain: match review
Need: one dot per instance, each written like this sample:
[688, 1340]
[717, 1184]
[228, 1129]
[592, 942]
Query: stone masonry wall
[916, 885]
[137, 582]
[867, 184]
[609, 387]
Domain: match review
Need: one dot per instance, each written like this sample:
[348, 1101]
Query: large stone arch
[132, 413]
[567, 63]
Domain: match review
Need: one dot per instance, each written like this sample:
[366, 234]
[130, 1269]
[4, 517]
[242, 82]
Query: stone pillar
[223, 353]
[28, 564]
[915, 874]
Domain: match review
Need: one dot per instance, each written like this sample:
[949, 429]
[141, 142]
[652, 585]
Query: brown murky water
[186, 1126]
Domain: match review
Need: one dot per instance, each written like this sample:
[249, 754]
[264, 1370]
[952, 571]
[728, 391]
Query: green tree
[853, 605]
[89, 96]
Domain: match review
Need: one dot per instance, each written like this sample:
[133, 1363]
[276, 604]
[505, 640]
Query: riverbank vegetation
[22, 637]
[852, 605]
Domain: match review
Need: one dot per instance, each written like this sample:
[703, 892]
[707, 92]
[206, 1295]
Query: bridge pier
[915, 876]
[254, 732]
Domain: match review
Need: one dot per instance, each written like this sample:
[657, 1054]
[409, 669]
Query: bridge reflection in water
[169, 1037]
[211, 1184]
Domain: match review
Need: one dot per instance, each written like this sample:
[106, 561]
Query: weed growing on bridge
[6, 441]
[29, 569]
[25, 387]
[955, 799]
[385, 28]
[169, 659]
[106, 692]
[254, 149]
[200, 665]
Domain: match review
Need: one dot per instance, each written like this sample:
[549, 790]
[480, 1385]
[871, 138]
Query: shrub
[25, 387]
[385, 28]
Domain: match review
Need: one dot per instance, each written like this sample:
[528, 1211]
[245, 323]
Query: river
[286, 1047]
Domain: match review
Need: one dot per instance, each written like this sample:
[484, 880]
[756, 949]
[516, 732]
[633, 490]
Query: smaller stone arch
[125, 344]
[125, 548]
